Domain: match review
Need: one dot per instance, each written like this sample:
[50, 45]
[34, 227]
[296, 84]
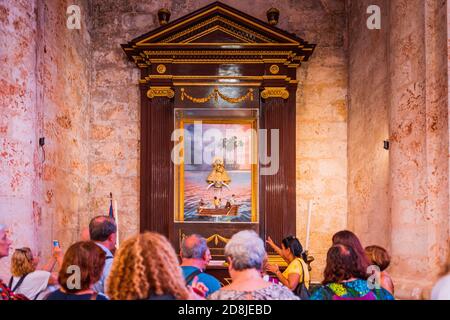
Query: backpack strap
[19, 283]
[38, 294]
[191, 277]
[303, 270]
[109, 257]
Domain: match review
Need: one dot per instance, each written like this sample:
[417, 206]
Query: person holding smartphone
[29, 280]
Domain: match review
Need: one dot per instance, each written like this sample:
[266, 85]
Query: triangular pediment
[217, 27]
[230, 26]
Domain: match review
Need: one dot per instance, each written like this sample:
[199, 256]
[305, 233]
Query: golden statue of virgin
[218, 178]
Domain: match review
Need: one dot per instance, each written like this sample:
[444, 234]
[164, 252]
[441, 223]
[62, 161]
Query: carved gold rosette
[275, 92]
[274, 69]
[161, 69]
[160, 92]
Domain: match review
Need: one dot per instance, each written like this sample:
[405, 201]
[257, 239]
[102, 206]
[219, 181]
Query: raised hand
[272, 268]
[270, 242]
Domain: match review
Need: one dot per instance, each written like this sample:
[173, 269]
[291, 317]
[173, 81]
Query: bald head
[193, 247]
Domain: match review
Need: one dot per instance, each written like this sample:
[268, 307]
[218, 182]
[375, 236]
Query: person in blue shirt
[195, 256]
[103, 231]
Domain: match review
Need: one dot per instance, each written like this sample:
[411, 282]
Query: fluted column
[419, 145]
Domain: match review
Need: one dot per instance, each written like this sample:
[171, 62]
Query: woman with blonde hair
[146, 268]
[27, 279]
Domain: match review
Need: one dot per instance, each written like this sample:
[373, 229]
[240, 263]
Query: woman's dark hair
[349, 239]
[89, 258]
[292, 243]
[342, 264]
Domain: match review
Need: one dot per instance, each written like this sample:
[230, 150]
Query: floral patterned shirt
[272, 292]
[352, 290]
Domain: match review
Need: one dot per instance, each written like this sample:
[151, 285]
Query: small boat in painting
[230, 211]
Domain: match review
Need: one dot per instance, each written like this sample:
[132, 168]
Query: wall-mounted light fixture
[386, 144]
[273, 14]
[163, 16]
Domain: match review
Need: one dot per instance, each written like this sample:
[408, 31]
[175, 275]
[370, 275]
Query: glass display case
[216, 165]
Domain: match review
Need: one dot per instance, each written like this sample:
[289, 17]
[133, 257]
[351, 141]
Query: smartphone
[55, 243]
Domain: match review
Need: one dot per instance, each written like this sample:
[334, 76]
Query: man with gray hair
[103, 231]
[5, 244]
[195, 256]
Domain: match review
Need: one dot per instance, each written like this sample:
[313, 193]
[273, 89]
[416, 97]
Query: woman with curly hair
[342, 278]
[146, 268]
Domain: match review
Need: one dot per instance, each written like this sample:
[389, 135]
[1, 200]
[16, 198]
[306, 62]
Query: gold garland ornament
[217, 237]
[160, 92]
[216, 94]
[275, 92]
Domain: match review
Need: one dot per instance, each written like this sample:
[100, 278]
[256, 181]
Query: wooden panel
[196, 68]
[277, 201]
[156, 164]
[208, 230]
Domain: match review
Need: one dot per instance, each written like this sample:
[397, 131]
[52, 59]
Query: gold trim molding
[160, 92]
[275, 92]
[216, 94]
[276, 259]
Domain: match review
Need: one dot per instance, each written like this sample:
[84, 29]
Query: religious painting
[216, 177]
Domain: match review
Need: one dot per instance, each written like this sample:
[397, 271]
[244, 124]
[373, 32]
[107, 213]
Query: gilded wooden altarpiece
[218, 65]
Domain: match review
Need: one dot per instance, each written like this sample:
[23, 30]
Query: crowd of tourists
[146, 267]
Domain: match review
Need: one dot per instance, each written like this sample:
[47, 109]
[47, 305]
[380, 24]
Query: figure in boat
[218, 178]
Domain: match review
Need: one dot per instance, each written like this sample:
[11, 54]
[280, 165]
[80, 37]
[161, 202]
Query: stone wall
[76, 88]
[322, 127]
[407, 64]
[368, 125]
[419, 134]
[64, 83]
[44, 93]
[321, 110]
[19, 157]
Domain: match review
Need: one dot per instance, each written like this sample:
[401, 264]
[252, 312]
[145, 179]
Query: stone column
[19, 157]
[418, 156]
